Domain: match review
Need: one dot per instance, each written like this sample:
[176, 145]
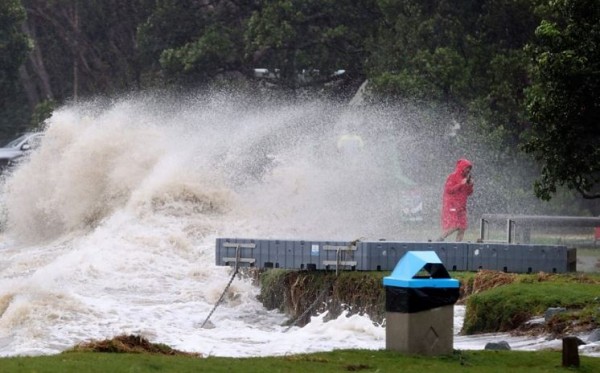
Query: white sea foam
[109, 227]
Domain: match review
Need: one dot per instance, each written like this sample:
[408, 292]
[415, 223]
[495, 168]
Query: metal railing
[526, 222]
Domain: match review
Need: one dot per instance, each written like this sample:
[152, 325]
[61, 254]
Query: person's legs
[446, 233]
[460, 235]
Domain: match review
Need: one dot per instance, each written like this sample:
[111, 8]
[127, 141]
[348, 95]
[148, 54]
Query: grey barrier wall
[520, 258]
[292, 254]
[384, 255]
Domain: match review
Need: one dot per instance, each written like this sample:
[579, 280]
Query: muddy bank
[300, 294]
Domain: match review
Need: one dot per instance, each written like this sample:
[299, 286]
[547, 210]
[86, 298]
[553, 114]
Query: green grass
[593, 252]
[336, 361]
[506, 307]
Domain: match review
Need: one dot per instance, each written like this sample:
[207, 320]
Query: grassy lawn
[336, 361]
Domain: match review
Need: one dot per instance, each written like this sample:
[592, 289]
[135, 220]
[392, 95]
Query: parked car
[19, 147]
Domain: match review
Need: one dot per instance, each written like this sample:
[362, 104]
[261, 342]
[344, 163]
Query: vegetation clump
[128, 344]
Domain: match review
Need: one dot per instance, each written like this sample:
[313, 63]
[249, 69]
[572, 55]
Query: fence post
[509, 230]
[482, 226]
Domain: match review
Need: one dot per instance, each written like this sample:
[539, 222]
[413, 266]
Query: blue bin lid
[405, 274]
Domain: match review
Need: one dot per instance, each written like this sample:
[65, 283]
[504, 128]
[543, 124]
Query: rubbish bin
[420, 298]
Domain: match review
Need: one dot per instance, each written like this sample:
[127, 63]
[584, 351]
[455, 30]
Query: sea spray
[109, 227]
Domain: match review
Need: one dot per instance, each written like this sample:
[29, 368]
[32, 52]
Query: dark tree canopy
[189, 43]
[14, 44]
[460, 62]
[308, 41]
[14, 47]
[564, 99]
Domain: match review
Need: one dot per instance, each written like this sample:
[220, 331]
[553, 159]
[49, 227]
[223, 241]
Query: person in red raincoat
[458, 187]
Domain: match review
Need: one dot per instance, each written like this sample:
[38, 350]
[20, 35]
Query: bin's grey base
[422, 333]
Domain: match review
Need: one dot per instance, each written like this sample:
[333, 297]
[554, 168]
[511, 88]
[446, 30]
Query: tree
[563, 101]
[306, 42]
[82, 48]
[463, 62]
[465, 54]
[421, 50]
[191, 43]
[14, 47]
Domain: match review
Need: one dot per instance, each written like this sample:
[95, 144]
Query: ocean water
[109, 227]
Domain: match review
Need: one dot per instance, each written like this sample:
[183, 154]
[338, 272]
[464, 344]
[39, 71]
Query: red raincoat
[454, 202]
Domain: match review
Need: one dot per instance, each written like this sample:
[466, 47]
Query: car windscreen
[15, 143]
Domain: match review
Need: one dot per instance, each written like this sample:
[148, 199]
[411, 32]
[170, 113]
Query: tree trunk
[41, 89]
[29, 87]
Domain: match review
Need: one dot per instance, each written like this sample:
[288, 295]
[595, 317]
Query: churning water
[109, 227]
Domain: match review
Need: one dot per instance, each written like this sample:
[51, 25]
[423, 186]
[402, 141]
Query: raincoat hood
[461, 165]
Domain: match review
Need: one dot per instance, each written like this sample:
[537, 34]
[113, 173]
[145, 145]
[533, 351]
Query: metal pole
[482, 225]
[337, 258]
[509, 230]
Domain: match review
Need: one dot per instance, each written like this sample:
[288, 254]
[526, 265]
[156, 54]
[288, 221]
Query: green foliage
[14, 46]
[190, 44]
[310, 40]
[564, 99]
[450, 62]
[462, 60]
[42, 112]
[84, 48]
[459, 54]
[421, 46]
